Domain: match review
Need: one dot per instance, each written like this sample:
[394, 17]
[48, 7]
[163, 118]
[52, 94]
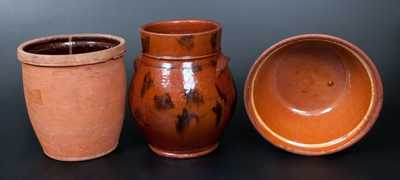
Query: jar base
[184, 154]
[84, 158]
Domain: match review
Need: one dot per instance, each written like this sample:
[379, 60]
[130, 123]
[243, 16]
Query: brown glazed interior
[181, 27]
[71, 50]
[70, 45]
[180, 39]
[313, 94]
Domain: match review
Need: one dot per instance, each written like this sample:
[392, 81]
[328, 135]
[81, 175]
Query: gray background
[249, 27]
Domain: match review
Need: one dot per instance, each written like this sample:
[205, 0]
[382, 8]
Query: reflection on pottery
[182, 93]
[313, 94]
[74, 88]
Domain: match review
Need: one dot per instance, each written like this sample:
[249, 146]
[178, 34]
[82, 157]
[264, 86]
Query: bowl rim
[329, 147]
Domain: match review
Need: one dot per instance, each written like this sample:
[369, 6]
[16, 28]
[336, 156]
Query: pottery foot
[83, 158]
[184, 154]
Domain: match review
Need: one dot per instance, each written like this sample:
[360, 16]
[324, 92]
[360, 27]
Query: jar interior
[70, 45]
[181, 27]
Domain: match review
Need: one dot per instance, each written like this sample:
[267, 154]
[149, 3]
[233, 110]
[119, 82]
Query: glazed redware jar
[74, 88]
[182, 93]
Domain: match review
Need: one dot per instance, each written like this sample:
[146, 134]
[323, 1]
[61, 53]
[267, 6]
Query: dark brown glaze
[186, 41]
[189, 119]
[215, 39]
[193, 96]
[163, 102]
[147, 83]
[220, 93]
[217, 109]
[145, 43]
[72, 45]
[214, 61]
[134, 65]
[184, 119]
[197, 68]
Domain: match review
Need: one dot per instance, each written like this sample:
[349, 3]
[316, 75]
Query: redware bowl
[313, 94]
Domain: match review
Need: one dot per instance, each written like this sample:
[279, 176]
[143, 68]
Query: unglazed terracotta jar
[182, 93]
[313, 94]
[74, 88]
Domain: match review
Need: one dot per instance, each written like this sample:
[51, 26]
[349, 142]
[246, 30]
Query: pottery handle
[222, 63]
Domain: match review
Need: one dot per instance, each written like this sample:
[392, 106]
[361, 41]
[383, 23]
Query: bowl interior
[70, 45]
[311, 92]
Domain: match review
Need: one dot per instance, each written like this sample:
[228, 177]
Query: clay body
[74, 87]
[182, 93]
[313, 94]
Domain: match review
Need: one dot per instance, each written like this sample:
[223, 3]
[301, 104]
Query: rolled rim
[145, 29]
[365, 125]
[90, 57]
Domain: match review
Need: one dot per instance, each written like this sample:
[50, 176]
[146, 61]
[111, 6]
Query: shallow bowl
[313, 94]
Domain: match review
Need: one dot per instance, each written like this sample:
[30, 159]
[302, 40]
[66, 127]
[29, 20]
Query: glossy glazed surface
[313, 94]
[182, 93]
[76, 110]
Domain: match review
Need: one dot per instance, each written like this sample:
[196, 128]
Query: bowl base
[184, 154]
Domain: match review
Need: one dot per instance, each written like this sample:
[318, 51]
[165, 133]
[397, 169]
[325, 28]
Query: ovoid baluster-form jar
[182, 93]
[74, 88]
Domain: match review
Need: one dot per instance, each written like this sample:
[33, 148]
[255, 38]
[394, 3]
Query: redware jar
[74, 87]
[182, 93]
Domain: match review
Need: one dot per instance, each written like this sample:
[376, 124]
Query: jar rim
[94, 48]
[182, 27]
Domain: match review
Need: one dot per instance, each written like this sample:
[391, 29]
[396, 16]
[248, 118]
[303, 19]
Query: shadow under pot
[74, 88]
[182, 92]
[313, 94]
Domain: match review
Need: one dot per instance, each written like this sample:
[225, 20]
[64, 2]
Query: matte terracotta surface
[182, 93]
[313, 94]
[74, 88]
